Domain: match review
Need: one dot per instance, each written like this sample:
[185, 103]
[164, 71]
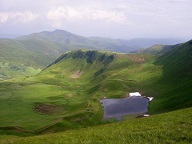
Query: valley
[95, 72]
[44, 92]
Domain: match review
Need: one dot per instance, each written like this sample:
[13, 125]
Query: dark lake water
[117, 108]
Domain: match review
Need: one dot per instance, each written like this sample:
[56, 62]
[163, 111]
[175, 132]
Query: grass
[54, 86]
[102, 75]
[172, 127]
[157, 49]
[19, 58]
[8, 70]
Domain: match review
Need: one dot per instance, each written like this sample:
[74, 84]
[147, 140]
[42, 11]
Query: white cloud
[17, 16]
[60, 15]
[63, 13]
[24, 17]
[3, 17]
[109, 16]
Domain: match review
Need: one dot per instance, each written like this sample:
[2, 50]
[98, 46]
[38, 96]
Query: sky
[122, 19]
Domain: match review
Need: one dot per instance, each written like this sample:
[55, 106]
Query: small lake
[117, 108]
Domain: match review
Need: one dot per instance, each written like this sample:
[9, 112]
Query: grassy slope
[81, 79]
[172, 127]
[55, 85]
[19, 59]
[157, 49]
[177, 75]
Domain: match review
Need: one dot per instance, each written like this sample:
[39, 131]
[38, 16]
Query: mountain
[66, 95]
[69, 41]
[10, 36]
[27, 55]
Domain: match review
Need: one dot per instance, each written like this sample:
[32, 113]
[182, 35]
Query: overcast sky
[106, 18]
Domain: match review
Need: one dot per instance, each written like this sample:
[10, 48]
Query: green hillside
[177, 63]
[172, 127]
[66, 95]
[157, 49]
[16, 60]
[70, 89]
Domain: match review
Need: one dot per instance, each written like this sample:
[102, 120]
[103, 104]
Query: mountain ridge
[40, 49]
[98, 43]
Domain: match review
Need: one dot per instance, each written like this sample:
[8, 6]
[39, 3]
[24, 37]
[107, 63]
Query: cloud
[17, 16]
[3, 17]
[114, 18]
[109, 16]
[63, 13]
[60, 15]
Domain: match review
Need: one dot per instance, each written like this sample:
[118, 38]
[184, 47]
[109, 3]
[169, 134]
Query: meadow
[66, 95]
[171, 127]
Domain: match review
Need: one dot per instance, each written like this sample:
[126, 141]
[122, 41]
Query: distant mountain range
[69, 41]
[38, 50]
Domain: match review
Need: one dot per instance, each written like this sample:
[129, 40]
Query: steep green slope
[177, 77]
[177, 63]
[172, 127]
